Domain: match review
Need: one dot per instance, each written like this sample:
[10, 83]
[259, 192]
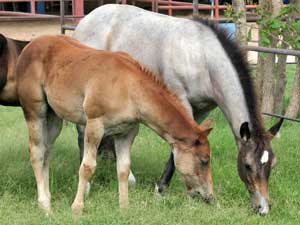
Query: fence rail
[275, 51]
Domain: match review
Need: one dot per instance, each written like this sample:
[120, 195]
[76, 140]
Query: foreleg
[94, 131]
[123, 145]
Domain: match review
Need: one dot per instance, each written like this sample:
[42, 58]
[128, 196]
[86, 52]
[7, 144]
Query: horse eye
[204, 162]
[197, 143]
[248, 167]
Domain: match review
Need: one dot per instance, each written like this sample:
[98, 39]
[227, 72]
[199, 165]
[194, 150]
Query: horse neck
[229, 95]
[164, 113]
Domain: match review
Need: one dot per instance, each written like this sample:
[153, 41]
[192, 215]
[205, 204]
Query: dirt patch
[29, 30]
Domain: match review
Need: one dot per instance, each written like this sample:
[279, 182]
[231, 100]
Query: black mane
[238, 59]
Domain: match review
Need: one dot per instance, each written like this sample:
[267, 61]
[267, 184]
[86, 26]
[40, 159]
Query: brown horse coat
[59, 78]
[9, 52]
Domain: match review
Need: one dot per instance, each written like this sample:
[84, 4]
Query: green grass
[18, 204]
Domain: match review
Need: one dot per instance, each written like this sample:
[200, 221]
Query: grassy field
[18, 203]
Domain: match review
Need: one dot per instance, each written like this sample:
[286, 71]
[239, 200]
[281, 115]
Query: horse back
[77, 81]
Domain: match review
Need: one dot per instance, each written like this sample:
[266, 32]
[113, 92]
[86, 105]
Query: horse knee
[87, 169]
[124, 171]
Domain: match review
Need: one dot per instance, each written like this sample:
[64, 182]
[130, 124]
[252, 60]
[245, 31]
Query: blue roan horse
[204, 68]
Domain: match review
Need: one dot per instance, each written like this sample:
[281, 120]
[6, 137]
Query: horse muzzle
[260, 204]
[207, 197]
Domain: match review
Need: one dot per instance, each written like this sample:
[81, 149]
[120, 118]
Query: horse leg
[54, 126]
[80, 139]
[37, 128]
[165, 179]
[94, 131]
[106, 143]
[123, 144]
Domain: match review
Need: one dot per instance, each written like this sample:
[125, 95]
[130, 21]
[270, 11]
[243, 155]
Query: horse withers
[59, 78]
[205, 68]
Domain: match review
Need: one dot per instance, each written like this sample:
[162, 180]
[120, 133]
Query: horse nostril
[208, 199]
[263, 210]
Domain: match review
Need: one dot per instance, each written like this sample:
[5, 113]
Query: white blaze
[265, 157]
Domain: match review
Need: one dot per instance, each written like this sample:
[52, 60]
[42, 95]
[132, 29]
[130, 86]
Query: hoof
[158, 192]
[131, 179]
[77, 209]
[46, 207]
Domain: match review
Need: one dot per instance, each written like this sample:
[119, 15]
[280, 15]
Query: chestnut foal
[59, 78]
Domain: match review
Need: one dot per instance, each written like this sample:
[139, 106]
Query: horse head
[193, 163]
[255, 161]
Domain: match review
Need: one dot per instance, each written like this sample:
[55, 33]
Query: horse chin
[260, 204]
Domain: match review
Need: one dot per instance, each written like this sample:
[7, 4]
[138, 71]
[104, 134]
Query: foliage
[283, 25]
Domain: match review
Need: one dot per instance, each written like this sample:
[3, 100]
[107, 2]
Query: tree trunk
[195, 8]
[280, 82]
[266, 62]
[267, 101]
[241, 24]
[294, 107]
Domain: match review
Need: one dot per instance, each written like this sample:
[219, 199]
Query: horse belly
[121, 128]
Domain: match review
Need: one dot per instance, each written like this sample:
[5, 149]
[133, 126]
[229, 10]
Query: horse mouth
[260, 204]
[207, 198]
[263, 210]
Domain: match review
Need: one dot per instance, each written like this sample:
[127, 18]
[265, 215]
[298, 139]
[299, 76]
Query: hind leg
[80, 139]
[37, 128]
[54, 126]
[123, 145]
[94, 131]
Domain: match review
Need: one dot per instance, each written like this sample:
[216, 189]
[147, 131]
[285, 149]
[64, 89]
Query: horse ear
[245, 131]
[3, 43]
[207, 123]
[206, 127]
[275, 128]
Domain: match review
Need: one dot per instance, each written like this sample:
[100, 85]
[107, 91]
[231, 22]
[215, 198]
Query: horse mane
[239, 61]
[160, 83]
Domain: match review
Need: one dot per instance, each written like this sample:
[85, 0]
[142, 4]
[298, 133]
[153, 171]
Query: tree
[294, 105]
[241, 22]
[266, 62]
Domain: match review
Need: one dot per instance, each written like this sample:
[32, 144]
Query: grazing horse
[205, 68]
[110, 93]
[10, 49]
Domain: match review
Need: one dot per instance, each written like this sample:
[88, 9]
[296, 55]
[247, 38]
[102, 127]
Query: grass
[18, 203]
